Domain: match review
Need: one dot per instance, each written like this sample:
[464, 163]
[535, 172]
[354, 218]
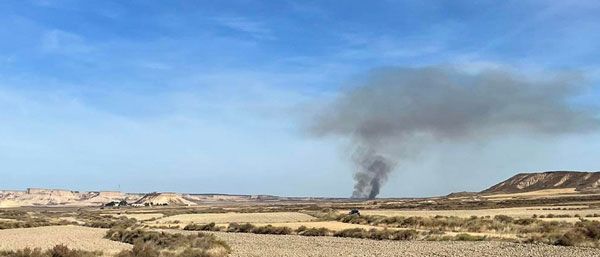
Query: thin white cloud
[241, 24]
[63, 42]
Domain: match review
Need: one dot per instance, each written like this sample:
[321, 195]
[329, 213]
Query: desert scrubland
[545, 222]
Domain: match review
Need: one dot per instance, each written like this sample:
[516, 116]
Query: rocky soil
[252, 245]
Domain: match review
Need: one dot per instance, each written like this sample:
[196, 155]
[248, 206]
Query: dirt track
[252, 245]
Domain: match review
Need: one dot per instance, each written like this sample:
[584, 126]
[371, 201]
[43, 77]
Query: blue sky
[208, 96]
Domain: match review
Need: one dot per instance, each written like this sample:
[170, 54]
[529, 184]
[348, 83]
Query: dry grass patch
[56, 251]
[154, 244]
[222, 218]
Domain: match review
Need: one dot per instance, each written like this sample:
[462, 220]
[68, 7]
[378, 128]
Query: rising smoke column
[397, 111]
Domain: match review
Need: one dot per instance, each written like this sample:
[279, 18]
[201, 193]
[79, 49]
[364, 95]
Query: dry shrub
[504, 219]
[249, 228]
[14, 214]
[32, 223]
[269, 229]
[191, 252]
[56, 251]
[378, 234]
[110, 222]
[240, 228]
[585, 233]
[352, 232]
[162, 240]
[304, 231]
[202, 227]
[469, 237]
[140, 250]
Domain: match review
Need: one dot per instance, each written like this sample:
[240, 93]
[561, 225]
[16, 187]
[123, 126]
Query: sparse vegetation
[249, 228]
[304, 231]
[105, 221]
[150, 242]
[498, 224]
[25, 221]
[585, 233]
[378, 234]
[57, 251]
[202, 227]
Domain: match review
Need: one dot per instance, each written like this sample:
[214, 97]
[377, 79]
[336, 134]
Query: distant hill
[61, 197]
[526, 182]
[164, 199]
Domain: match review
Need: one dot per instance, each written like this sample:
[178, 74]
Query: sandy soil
[252, 245]
[521, 212]
[239, 217]
[84, 238]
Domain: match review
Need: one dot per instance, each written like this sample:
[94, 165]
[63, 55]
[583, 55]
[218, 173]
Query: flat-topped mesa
[48, 191]
[61, 197]
[111, 194]
[526, 182]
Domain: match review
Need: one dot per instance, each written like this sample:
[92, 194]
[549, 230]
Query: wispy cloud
[241, 24]
[63, 42]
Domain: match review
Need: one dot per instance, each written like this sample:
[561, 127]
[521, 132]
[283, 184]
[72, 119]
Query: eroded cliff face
[59, 197]
[525, 182]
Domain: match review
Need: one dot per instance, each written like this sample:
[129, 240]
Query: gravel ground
[84, 238]
[252, 245]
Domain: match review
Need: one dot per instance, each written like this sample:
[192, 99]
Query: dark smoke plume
[397, 111]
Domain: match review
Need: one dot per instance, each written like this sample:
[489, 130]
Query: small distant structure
[113, 204]
[137, 205]
[353, 212]
[116, 203]
[147, 204]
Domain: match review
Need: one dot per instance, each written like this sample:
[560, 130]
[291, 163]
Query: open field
[275, 217]
[77, 237]
[530, 224]
[517, 212]
[252, 245]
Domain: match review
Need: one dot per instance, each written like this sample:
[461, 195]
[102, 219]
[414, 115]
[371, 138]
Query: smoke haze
[396, 112]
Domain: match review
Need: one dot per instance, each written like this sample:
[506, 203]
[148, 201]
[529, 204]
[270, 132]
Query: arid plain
[546, 222]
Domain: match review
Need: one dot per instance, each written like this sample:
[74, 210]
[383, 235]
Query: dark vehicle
[354, 211]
